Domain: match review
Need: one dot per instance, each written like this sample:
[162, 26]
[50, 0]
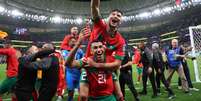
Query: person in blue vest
[175, 57]
[72, 74]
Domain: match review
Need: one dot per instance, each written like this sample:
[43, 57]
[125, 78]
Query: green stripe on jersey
[118, 57]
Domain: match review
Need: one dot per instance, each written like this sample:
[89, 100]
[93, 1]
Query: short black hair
[95, 41]
[71, 37]
[116, 10]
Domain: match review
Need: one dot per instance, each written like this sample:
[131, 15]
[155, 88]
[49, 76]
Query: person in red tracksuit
[73, 33]
[12, 68]
[61, 82]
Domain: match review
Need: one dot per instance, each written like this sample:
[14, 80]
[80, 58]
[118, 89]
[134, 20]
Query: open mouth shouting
[114, 22]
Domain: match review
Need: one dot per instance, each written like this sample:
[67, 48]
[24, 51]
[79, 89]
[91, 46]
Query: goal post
[195, 39]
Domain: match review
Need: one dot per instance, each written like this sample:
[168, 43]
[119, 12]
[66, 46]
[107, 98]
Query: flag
[179, 2]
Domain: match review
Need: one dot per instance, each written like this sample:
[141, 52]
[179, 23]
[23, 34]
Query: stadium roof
[82, 7]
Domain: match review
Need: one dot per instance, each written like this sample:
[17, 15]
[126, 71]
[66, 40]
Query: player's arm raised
[95, 11]
[70, 61]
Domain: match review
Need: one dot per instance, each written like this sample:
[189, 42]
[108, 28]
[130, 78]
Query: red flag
[178, 2]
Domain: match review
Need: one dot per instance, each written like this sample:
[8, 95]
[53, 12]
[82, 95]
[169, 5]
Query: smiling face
[141, 45]
[98, 50]
[174, 43]
[74, 31]
[115, 18]
[72, 42]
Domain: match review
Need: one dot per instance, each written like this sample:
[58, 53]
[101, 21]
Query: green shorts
[7, 84]
[103, 98]
[139, 70]
[83, 76]
[38, 84]
[114, 77]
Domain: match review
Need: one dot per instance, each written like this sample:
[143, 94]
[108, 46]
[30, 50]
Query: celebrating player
[100, 80]
[72, 74]
[65, 42]
[12, 67]
[108, 34]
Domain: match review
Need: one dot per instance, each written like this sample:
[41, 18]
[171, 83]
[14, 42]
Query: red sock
[78, 98]
[34, 94]
[13, 98]
[138, 79]
[1, 99]
[121, 99]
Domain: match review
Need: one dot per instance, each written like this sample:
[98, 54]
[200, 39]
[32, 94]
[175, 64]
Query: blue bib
[172, 59]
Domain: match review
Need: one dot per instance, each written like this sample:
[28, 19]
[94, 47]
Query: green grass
[2, 72]
[180, 96]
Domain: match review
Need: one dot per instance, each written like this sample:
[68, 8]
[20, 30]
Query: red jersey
[137, 59]
[100, 81]
[12, 61]
[61, 82]
[64, 44]
[115, 44]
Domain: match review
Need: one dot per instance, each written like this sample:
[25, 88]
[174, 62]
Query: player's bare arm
[70, 60]
[95, 12]
[114, 65]
[127, 64]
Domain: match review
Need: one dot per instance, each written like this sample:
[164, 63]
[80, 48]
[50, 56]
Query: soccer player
[175, 57]
[108, 34]
[65, 42]
[148, 71]
[61, 83]
[12, 56]
[72, 74]
[137, 61]
[100, 80]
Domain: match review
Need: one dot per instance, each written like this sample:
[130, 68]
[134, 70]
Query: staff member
[158, 65]
[28, 67]
[146, 58]
[175, 57]
[126, 76]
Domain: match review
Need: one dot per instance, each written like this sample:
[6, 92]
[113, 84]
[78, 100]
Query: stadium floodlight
[57, 19]
[42, 17]
[71, 21]
[167, 9]
[156, 12]
[144, 15]
[79, 21]
[2, 9]
[17, 13]
[124, 18]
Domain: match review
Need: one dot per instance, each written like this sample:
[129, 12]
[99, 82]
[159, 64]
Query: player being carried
[100, 80]
[107, 33]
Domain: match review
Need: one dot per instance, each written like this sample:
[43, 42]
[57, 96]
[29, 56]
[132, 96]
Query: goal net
[195, 38]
